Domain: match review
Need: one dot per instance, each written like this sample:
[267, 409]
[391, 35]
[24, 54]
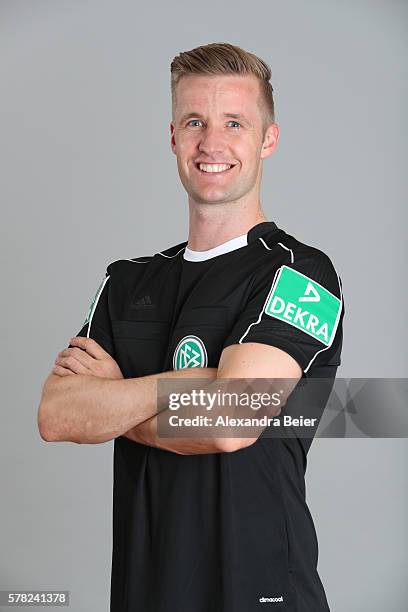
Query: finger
[60, 371]
[91, 347]
[79, 355]
[72, 364]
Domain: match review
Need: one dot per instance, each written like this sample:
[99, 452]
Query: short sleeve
[296, 307]
[97, 324]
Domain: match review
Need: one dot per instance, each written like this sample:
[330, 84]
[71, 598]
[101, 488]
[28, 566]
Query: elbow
[52, 426]
[50, 434]
[44, 420]
[48, 410]
[46, 434]
[49, 431]
[46, 431]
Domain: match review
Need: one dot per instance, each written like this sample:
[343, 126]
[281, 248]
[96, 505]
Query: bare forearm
[83, 409]
[199, 442]
[91, 410]
[146, 433]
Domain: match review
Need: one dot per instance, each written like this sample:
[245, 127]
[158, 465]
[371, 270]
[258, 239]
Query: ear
[172, 138]
[270, 141]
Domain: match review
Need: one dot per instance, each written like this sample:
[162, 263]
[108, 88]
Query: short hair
[224, 58]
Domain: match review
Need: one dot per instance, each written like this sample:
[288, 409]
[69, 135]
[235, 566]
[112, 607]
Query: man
[206, 524]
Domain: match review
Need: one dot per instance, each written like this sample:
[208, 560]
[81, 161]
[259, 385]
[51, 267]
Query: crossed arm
[86, 399]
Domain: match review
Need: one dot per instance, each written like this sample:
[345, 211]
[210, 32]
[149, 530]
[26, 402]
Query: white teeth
[214, 167]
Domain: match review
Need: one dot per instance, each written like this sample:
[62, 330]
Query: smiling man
[207, 524]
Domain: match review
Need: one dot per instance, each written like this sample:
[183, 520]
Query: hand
[86, 356]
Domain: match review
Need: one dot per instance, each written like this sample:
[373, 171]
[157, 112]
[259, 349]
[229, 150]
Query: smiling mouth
[214, 168]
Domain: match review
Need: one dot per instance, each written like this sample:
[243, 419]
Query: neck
[213, 224]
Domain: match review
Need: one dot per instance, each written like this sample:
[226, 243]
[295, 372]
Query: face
[217, 134]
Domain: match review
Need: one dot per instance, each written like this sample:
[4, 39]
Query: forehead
[198, 92]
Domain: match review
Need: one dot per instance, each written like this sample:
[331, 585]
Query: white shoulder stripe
[95, 305]
[264, 243]
[135, 260]
[292, 257]
[270, 290]
[170, 256]
[263, 307]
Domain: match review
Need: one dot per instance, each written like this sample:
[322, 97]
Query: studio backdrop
[88, 177]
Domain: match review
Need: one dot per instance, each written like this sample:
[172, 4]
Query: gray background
[87, 177]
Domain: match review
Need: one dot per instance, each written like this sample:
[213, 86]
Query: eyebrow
[199, 116]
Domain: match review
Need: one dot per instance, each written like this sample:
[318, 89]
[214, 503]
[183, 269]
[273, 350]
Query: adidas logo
[143, 302]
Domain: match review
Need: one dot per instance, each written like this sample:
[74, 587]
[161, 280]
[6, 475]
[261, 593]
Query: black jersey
[220, 532]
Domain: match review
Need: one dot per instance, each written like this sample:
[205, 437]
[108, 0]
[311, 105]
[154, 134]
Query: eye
[236, 123]
[194, 121]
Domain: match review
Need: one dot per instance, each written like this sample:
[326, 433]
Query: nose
[212, 141]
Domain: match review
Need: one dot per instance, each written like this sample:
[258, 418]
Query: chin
[209, 198]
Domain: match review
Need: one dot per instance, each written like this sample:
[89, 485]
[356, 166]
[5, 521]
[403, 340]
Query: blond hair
[224, 58]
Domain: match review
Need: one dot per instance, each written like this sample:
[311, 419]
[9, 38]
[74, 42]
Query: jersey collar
[235, 243]
[225, 247]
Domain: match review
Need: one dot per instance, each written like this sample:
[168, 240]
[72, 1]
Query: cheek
[186, 144]
[245, 149]
[254, 154]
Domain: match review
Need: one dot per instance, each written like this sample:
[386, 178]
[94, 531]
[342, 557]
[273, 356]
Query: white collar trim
[225, 247]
